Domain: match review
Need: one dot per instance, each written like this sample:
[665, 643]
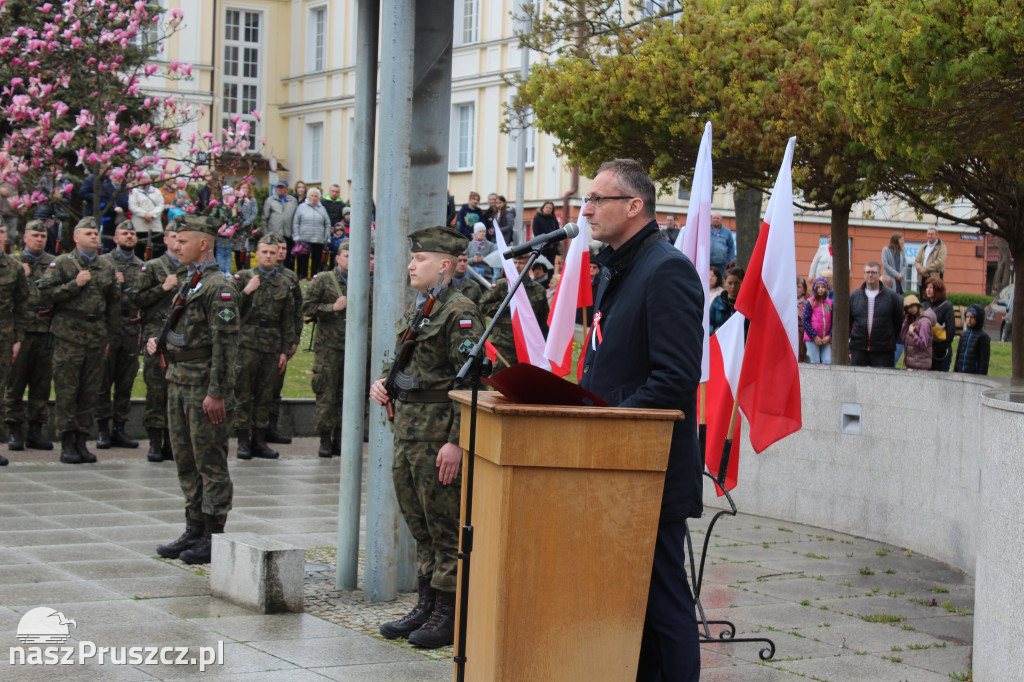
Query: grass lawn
[998, 362]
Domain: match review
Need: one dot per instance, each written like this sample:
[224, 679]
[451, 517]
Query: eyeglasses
[596, 200]
[872, 272]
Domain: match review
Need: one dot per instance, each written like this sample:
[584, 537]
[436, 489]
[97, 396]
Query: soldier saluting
[200, 344]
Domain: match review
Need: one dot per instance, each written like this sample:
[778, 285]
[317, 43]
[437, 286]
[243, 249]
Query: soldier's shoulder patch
[236, 276]
[227, 314]
[143, 268]
[225, 295]
[52, 264]
[465, 323]
[316, 275]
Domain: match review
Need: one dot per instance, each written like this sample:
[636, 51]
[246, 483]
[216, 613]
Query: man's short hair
[634, 180]
[873, 264]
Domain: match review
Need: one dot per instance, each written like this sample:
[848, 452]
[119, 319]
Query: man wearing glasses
[645, 351]
[875, 317]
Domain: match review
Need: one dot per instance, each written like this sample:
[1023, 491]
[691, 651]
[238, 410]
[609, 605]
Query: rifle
[312, 333]
[173, 315]
[405, 348]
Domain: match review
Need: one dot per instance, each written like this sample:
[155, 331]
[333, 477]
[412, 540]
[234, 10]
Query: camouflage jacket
[318, 303]
[454, 325]
[150, 297]
[470, 288]
[210, 320]
[38, 269]
[295, 284]
[502, 336]
[16, 292]
[88, 315]
[268, 314]
[132, 271]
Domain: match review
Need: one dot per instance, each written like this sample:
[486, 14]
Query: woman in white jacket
[146, 203]
[822, 261]
[312, 226]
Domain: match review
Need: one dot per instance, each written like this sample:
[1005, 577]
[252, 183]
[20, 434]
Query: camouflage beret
[439, 240]
[269, 239]
[343, 246]
[87, 222]
[126, 225]
[35, 226]
[200, 223]
[176, 223]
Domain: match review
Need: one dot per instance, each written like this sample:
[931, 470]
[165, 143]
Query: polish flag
[573, 292]
[525, 328]
[695, 239]
[769, 387]
[726, 363]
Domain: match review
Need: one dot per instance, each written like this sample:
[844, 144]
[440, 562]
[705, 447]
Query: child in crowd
[724, 305]
[917, 334]
[817, 324]
[972, 352]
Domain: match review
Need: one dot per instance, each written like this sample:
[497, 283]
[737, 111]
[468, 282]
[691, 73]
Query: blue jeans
[224, 259]
[819, 355]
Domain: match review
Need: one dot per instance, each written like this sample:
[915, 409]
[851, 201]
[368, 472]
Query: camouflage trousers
[328, 384]
[119, 372]
[275, 403]
[254, 388]
[431, 510]
[77, 371]
[200, 452]
[5, 364]
[154, 416]
[32, 369]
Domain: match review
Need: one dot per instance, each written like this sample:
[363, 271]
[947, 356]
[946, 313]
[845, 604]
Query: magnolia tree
[73, 103]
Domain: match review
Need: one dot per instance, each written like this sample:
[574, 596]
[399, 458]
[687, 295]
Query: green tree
[937, 90]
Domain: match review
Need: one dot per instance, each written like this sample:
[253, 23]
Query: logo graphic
[43, 625]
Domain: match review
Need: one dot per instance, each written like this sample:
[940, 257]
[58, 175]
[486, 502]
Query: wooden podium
[565, 513]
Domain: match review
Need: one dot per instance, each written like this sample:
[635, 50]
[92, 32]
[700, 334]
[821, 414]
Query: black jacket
[973, 351]
[885, 327]
[652, 306]
[944, 315]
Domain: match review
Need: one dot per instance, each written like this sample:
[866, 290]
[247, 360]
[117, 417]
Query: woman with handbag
[945, 323]
[311, 229]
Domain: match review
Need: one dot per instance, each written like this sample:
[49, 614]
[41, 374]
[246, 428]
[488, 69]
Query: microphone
[568, 232]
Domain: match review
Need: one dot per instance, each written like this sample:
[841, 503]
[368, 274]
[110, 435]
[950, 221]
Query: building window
[317, 38]
[683, 193]
[531, 144]
[463, 136]
[241, 68]
[467, 22]
[314, 170]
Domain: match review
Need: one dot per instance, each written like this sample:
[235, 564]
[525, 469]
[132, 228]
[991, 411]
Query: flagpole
[702, 419]
[723, 465]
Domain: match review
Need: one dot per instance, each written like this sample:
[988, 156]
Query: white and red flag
[695, 240]
[725, 365]
[525, 328]
[769, 386]
[573, 292]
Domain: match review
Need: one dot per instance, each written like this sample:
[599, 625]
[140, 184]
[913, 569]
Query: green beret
[200, 223]
[34, 226]
[438, 240]
[87, 222]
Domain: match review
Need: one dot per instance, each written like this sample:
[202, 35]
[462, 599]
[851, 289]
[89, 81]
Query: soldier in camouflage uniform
[160, 279]
[464, 282]
[33, 367]
[15, 293]
[326, 301]
[502, 336]
[202, 359]
[265, 340]
[87, 306]
[426, 428]
[274, 435]
[122, 362]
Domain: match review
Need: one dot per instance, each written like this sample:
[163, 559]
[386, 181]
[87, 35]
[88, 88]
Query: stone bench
[259, 573]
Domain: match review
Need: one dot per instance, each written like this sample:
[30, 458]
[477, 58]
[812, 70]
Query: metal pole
[358, 308]
[518, 232]
[383, 522]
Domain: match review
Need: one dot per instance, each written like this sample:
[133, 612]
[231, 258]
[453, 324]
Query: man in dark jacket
[645, 351]
[876, 314]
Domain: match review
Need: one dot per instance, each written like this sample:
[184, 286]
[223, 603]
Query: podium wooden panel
[565, 513]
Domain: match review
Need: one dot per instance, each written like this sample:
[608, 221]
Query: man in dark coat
[876, 314]
[645, 351]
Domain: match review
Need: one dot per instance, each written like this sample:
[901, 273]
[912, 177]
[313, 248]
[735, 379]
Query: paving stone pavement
[81, 540]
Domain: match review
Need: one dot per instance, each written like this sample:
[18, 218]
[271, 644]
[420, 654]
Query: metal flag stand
[727, 635]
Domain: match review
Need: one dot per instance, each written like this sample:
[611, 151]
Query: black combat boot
[415, 619]
[14, 440]
[200, 553]
[244, 449]
[166, 450]
[83, 451]
[325, 445]
[3, 461]
[440, 629]
[275, 436]
[193, 533]
[68, 449]
[103, 434]
[336, 442]
[156, 437]
[260, 447]
[35, 439]
[120, 439]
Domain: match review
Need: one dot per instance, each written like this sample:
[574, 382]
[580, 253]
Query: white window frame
[313, 152]
[682, 192]
[467, 22]
[463, 137]
[246, 86]
[531, 144]
[316, 37]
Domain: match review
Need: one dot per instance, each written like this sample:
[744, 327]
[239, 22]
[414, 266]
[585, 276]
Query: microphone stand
[477, 366]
